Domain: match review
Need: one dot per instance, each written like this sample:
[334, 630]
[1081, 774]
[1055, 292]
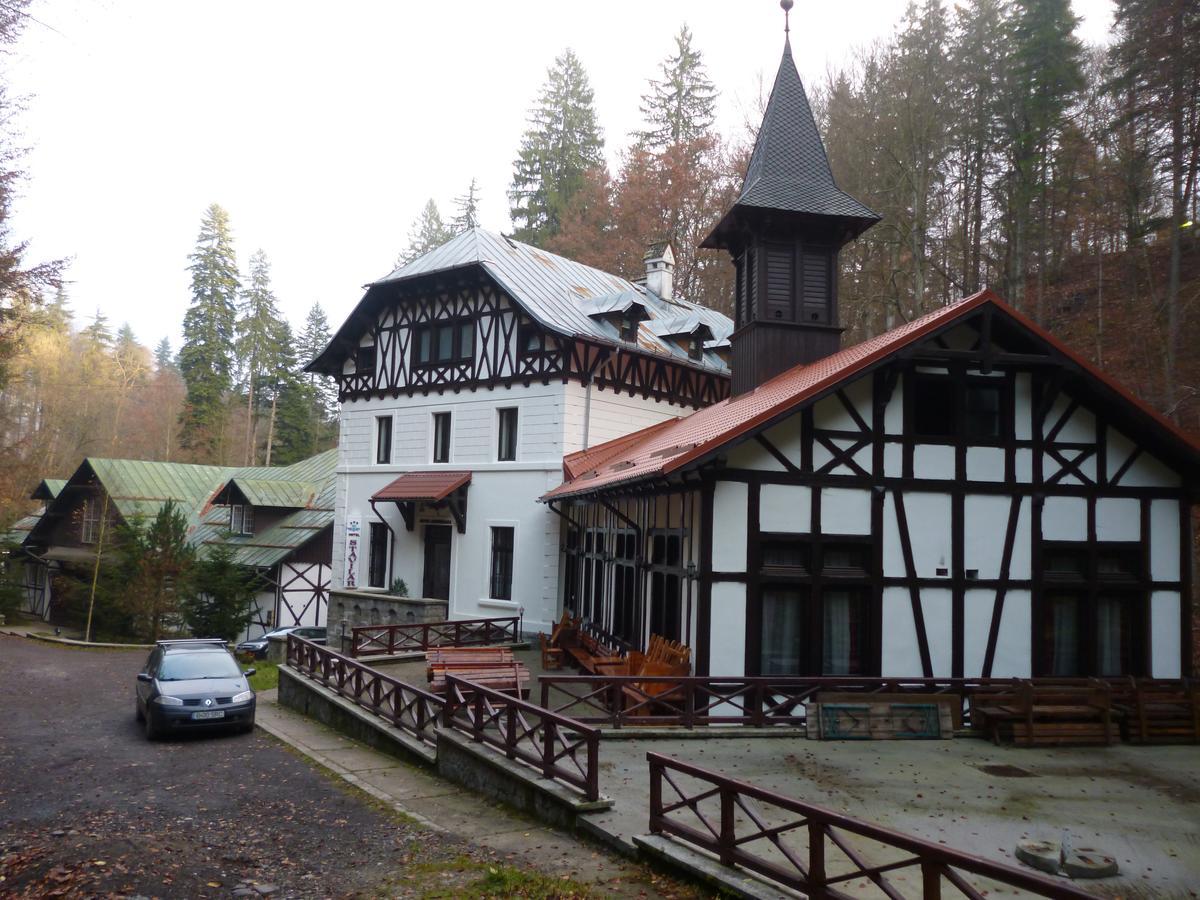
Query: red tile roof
[429, 486]
[665, 448]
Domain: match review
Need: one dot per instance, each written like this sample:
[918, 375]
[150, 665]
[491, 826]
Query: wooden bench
[512, 678]
[663, 657]
[564, 632]
[591, 648]
[473, 657]
[1045, 714]
[1157, 711]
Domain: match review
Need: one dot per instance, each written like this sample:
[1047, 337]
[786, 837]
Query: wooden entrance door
[437, 562]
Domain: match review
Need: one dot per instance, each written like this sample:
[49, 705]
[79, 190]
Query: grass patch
[266, 676]
[477, 880]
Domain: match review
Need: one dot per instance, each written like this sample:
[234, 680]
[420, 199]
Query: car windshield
[185, 666]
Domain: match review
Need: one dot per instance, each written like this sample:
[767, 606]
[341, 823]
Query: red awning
[428, 486]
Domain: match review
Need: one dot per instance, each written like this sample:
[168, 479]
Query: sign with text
[353, 534]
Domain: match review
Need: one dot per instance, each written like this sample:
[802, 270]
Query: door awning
[435, 488]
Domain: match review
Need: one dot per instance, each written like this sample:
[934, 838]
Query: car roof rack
[171, 642]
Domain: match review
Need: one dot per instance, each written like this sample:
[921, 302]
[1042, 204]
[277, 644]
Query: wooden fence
[815, 850]
[381, 640]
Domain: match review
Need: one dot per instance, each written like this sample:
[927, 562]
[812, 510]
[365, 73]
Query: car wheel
[137, 712]
[153, 732]
[249, 726]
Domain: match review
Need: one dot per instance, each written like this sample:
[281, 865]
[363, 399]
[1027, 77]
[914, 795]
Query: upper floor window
[530, 340]
[506, 449]
[944, 406]
[241, 519]
[383, 440]
[441, 437]
[439, 343]
[90, 524]
[364, 359]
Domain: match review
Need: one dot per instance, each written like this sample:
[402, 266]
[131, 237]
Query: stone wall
[348, 609]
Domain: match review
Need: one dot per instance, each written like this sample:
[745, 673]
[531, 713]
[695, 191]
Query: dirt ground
[89, 808]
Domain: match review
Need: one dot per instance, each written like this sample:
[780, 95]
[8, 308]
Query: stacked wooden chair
[490, 667]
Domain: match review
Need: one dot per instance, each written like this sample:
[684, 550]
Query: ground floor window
[377, 556]
[806, 634]
[666, 584]
[595, 547]
[1085, 636]
[502, 562]
[624, 606]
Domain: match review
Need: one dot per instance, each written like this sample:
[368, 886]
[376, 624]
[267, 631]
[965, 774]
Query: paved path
[89, 807]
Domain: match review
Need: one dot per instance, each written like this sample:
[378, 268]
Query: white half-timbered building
[961, 496]
[465, 377]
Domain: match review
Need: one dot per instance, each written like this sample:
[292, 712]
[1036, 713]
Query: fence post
[477, 716]
[689, 705]
[728, 832]
[931, 880]
[545, 694]
[510, 731]
[593, 766]
[816, 859]
[758, 716]
[655, 795]
[549, 738]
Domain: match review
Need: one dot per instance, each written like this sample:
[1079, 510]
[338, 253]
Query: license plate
[209, 714]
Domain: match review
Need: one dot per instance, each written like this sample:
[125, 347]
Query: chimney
[660, 268]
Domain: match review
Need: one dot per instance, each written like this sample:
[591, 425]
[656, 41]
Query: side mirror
[144, 676]
[249, 672]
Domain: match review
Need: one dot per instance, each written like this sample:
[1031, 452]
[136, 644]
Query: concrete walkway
[445, 807]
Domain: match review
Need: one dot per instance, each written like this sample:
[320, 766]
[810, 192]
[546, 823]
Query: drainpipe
[587, 412]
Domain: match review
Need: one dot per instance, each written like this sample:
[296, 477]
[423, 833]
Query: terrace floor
[1139, 804]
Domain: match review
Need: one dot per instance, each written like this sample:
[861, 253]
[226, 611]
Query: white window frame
[495, 602]
[391, 420]
[433, 414]
[89, 526]
[500, 410]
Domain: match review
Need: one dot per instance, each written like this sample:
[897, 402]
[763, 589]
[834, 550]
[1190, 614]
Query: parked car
[258, 646]
[191, 684]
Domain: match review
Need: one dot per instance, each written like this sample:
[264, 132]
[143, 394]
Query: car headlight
[164, 700]
[243, 696]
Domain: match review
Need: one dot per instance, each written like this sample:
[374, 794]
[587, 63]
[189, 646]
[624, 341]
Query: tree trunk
[271, 430]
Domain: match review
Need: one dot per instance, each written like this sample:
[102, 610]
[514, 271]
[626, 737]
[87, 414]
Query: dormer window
[241, 519]
[696, 347]
[442, 343]
[629, 329]
[530, 340]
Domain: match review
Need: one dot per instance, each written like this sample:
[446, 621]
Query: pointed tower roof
[789, 172]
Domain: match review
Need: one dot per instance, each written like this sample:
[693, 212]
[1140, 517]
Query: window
[445, 342]
[624, 624]
[441, 437]
[383, 440]
[241, 519]
[1092, 621]
[946, 407]
[804, 635]
[530, 341]
[595, 544]
[364, 359]
[502, 563]
[377, 556]
[666, 584]
[506, 449]
[784, 556]
[90, 524]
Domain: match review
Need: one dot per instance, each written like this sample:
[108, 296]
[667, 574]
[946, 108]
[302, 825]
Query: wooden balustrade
[412, 637]
[559, 747]
[816, 850]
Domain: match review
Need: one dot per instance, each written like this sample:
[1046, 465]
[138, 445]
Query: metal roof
[662, 449]
[271, 492]
[48, 489]
[432, 486]
[788, 169]
[139, 487]
[554, 291]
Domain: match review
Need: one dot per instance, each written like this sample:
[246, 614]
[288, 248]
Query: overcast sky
[324, 128]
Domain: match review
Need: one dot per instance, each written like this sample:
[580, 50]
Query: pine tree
[322, 390]
[466, 214]
[257, 346]
[217, 603]
[561, 145]
[680, 106]
[97, 337]
[206, 359]
[164, 357]
[428, 232]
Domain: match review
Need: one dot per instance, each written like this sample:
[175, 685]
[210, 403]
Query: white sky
[324, 128]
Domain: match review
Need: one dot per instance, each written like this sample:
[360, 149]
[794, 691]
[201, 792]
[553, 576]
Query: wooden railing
[695, 701]
[385, 640]
[559, 747]
[412, 710]
[816, 850]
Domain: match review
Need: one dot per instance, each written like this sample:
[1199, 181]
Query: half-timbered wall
[959, 528]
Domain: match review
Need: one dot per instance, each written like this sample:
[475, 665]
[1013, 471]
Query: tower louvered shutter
[780, 275]
[817, 287]
[752, 301]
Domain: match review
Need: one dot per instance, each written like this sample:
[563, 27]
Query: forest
[998, 148]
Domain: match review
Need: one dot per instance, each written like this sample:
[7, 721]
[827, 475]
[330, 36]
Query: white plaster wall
[936, 607]
[1064, 519]
[727, 638]
[830, 413]
[899, 654]
[1079, 428]
[316, 613]
[1012, 657]
[928, 517]
[893, 461]
[1146, 471]
[729, 526]
[1023, 391]
[893, 413]
[977, 620]
[845, 511]
[1118, 519]
[1023, 464]
[984, 532]
[933, 461]
[786, 436]
[1164, 540]
[752, 455]
[985, 463]
[785, 508]
[612, 415]
[1166, 649]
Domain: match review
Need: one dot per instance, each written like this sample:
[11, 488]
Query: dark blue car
[193, 684]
